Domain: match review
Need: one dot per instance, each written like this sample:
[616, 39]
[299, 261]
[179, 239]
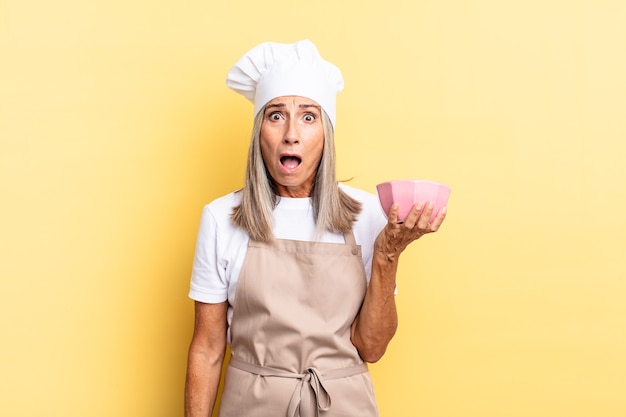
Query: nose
[292, 134]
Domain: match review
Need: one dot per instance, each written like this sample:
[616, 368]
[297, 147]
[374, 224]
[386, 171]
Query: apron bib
[290, 333]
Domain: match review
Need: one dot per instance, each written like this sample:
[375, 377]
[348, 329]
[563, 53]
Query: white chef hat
[271, 70]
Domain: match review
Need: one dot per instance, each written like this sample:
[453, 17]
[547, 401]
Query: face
[292, 141]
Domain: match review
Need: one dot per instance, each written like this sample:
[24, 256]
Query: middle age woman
[295, 271]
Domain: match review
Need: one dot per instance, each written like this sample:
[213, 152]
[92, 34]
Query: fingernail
[431, 205]
[444, 210]
[419, 206]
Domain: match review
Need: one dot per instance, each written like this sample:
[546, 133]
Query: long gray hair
[333, 209]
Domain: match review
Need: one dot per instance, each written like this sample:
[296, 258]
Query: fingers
[392, 216]
[423, 222]
[395, 237]
[420, 215]
[436, 223]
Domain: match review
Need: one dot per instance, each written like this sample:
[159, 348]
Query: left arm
[377, 320]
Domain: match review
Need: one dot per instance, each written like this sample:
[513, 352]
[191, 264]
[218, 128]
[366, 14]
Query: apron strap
[349, 238]
[309, 382]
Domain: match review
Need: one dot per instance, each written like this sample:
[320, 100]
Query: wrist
[385, 262]
[386, 256]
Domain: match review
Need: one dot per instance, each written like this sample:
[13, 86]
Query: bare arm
[206, 353]
[377, 321]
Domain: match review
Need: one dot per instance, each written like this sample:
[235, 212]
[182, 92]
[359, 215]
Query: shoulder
[356, 193]
[219, 210]
[369, 200]
[224, 205]
[371, 217]
[216, 217]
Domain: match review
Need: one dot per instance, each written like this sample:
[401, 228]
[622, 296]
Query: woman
[294, 271]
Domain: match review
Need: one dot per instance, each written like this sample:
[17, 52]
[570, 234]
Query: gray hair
[333, 210]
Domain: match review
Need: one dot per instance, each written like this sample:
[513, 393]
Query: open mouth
[290, 162]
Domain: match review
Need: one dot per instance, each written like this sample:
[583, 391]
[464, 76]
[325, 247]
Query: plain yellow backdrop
[116, 127]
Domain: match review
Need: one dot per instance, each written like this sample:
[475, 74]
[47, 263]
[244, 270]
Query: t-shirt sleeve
[371, 222]
[208, 276]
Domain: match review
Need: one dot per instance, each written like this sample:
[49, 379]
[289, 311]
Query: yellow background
[116, 127]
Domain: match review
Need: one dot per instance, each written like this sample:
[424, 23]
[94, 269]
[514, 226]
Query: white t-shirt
[221, 246]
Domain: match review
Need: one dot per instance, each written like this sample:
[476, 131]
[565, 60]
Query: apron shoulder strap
[349, 238]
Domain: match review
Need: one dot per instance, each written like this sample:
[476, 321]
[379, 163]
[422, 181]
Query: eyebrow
[306, 106]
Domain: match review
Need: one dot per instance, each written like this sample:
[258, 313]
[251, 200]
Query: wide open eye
[274, 116]
[309, 117]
